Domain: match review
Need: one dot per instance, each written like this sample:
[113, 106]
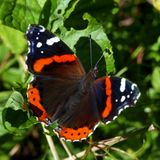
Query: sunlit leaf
[13, 39]
[156, 79]
[20, 13]
[14, 118]
[98, 35]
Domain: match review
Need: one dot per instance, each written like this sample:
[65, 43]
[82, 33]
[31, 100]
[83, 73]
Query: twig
[70, 156]
[87, 152]
[101, 145]
[22, 63]
[14, 150]
[51, 144]
[123, 70]
[124, 153]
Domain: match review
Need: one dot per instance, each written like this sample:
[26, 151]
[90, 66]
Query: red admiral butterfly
[61, 90]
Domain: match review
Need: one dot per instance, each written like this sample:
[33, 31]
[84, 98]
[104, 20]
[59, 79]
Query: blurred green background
[128, 34]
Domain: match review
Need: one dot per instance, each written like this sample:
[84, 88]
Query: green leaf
[4, 97]
[13, 39]
[60, 12]
[154, 53]
[5, 94]
[15, 101]
[41, 3]
[15, 120]
[5, 156]
[12, 76]
[58, 9]
[156, 4]
[98, 35]
[29, 123]
[156, 45]
[4, 50]
[2, 128]
[71, 8]
[151, 137]
[19, 13]
[156, 79]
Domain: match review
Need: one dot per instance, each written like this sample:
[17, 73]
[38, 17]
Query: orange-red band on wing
[40, 63]
[108, 106]
[74, 134]
[34, 100]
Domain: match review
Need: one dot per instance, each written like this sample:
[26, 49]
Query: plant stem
[51, 144]
[70, 156]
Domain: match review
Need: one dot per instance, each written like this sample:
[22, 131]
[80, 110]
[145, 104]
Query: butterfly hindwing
[114, 94]
[81, 118]
[64, 101]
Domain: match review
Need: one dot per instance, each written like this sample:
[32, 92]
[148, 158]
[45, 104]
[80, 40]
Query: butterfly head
[94, 72]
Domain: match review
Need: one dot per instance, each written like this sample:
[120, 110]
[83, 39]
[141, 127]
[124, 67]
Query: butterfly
[61, 91]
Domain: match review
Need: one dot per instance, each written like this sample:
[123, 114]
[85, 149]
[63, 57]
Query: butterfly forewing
[55, 69]
[48, 55]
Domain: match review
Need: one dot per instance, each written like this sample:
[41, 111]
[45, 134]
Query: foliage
[128, 35]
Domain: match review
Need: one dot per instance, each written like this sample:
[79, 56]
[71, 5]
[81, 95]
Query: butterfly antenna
[90, 50]
[99, 61]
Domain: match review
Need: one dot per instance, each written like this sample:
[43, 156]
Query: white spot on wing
[29, 26]
[29, 43]
[52, 40]
[138, 95]
[29, 50]
[123, 85]
[43, 29]
[26, 57]
[29, 46]
[39, 44]
[108, 122]
[133, 85]
[93, 130]
[90, 134]
[32, 79]
[135, 101]
[123, 98]
[114, 117]
[120, 110]
[26, 66]
[75, 140]
[83, 139]
[126, 106]
[95, 126]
